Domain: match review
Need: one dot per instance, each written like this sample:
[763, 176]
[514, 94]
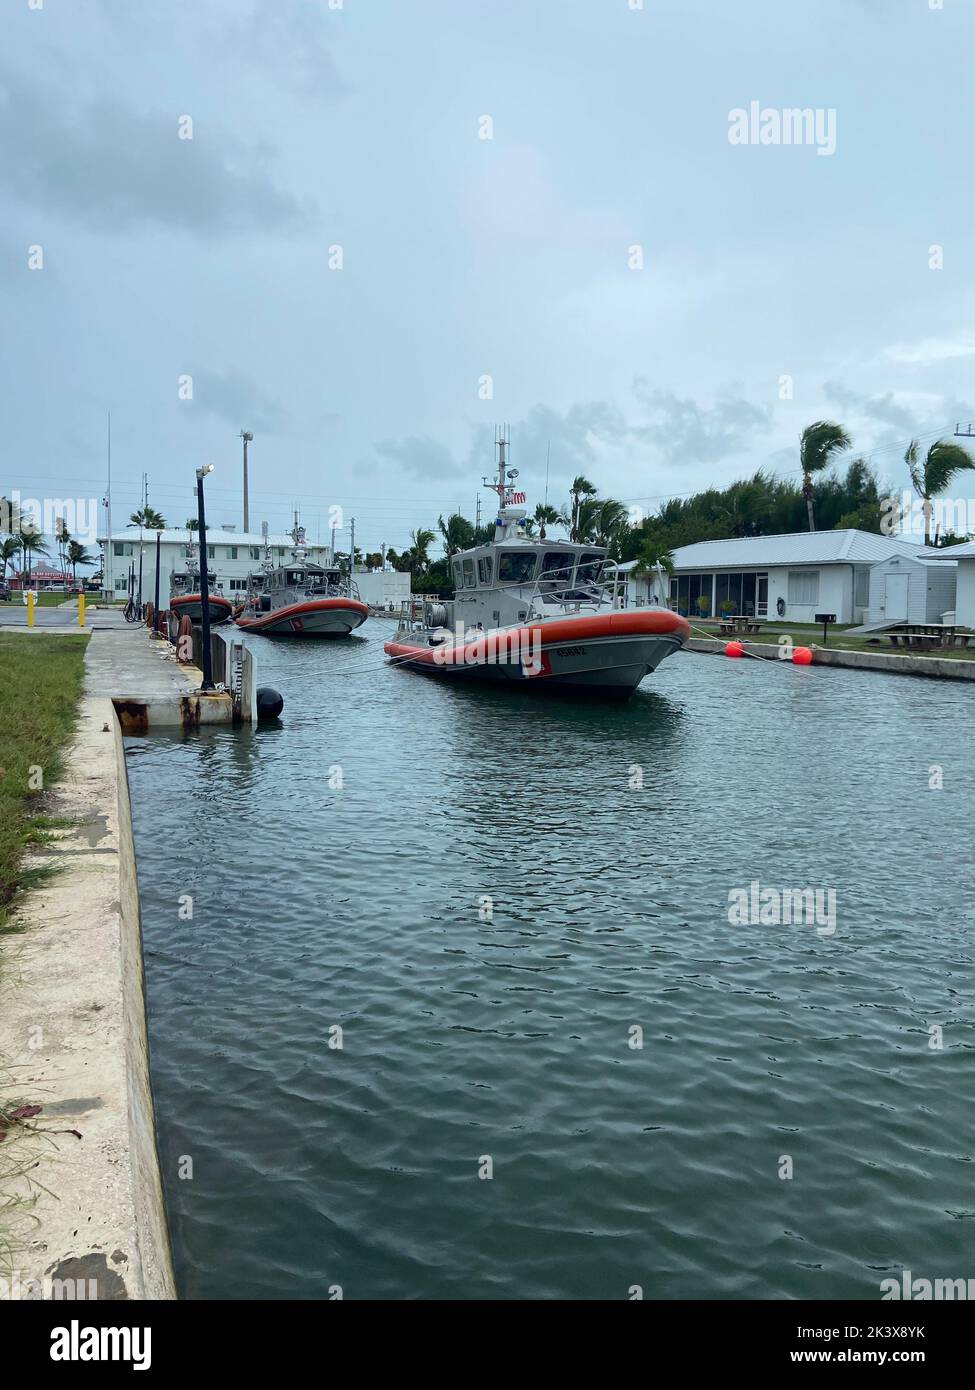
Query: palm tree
[549, 516]
[601, 521]
[148, 519]
[9, 550]
[654, 558]
[942, 461]
[457, 532]
[818, 446]
[78, 555]
[581, 487]
[192, 524]
[422, 541]
[31, 542]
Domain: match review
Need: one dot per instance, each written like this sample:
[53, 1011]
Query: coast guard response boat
[537, 614]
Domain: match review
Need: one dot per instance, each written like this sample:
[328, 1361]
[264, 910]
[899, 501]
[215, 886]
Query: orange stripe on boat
[295, 610]
[647, 622]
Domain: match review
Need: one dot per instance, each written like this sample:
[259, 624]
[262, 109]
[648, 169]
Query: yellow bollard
[81, 610]
[30, 607]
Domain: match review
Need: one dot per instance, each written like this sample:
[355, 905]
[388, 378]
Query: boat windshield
[516, 566]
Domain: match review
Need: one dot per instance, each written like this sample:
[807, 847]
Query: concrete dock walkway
[89, 1221]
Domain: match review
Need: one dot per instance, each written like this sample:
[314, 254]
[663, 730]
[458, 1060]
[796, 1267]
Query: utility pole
[331, 556]
[247, 437]
[204, 580]
[107, 566]
[352, 554]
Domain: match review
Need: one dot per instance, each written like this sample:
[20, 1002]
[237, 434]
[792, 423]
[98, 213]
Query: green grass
[838, 640]
[41, 678]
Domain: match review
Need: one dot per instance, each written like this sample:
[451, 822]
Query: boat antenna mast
[297, 534]
[267, 564]
[503, 484]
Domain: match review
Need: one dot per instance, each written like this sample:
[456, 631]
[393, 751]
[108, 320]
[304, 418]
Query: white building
[912, 589]
[962, 557]
[383, 588]
[231, 557]
[792, 577]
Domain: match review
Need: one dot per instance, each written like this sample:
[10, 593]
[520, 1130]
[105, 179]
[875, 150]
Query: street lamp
[204, 587]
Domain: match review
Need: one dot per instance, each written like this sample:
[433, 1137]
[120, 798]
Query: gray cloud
[423, 457]
[289, 37]
[115, 169]
[234, 397]
[686, 432]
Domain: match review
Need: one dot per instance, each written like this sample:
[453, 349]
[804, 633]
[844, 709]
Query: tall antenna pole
[107, 575]
[247, 437]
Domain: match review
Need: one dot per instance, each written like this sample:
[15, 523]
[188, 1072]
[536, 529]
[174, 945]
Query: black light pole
[155, 603]
[204, 589]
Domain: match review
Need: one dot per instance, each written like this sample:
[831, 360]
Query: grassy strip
[41, 678]
[805, 634]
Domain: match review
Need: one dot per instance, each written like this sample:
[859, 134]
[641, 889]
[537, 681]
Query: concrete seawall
[947, 668]
[91, 1218]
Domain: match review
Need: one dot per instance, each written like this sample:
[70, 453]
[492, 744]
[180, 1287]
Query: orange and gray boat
[301, 599]
[535, 614]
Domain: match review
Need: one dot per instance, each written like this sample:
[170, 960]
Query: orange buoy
[802, 656]
[734, 649]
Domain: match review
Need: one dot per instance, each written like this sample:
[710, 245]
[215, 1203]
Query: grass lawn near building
[41, 679]
[810, 634]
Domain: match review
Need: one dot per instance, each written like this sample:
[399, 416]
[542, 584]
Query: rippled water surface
[471, 1033]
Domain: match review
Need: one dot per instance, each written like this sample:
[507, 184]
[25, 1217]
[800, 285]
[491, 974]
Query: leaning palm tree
[9, 550]
[581, 488]
[77, 555]
[422, 540]
[942, 461]
[548, 516]
[818, 446]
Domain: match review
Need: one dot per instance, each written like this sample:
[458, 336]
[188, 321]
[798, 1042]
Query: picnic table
[929, 636]
[734, 624]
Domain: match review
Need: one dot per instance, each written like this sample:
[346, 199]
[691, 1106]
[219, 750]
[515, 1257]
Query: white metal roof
[215, 536]
[956, 552]
[797, 548]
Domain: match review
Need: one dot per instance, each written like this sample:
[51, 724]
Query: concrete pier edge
[946, 668]
[91, 1222]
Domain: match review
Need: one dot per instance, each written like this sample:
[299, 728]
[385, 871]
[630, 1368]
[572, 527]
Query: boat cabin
[555, 571]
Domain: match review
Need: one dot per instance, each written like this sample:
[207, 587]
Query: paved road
[14, 614]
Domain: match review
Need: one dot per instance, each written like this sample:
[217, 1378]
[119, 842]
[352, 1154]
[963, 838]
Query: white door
[895, 597]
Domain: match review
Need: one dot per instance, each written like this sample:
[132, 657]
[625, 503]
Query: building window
[255, 552]
[233, 552]
[804, 586]
[120, 548]
[211, 552]
[236, 585]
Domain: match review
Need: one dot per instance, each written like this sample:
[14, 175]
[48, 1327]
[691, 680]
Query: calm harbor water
[502, 1029]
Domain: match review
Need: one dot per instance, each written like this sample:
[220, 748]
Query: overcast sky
[463, 258]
